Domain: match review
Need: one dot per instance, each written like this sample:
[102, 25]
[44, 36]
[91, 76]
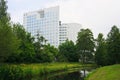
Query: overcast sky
[98, 15]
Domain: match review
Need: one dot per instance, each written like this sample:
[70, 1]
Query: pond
[74, 75]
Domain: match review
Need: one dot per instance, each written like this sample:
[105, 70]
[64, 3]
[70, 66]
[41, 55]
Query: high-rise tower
[45, 22]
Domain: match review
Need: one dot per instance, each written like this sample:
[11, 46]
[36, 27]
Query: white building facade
[45, 22]
[69, 31]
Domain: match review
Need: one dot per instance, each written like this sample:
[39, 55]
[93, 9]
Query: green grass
[28, 71]
[39, 69]
[106, 73]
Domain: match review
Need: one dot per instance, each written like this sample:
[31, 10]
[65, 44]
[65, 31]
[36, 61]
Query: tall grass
[46, 68]
[27, 71]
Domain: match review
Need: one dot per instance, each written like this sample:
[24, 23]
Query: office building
[69, 31]
[45, 22]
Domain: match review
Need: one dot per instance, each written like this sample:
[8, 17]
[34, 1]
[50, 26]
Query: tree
[49, 53]
[67, 52]
[39, 43]
[85, 44]
[101, 57]
[8, 44]
[4, 17]
[25, 51]
[113, 43]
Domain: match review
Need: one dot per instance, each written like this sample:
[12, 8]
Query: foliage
[67, 52]
[108, 51]
[4, 17]
[25, 52]
[30, 49]
[113, 45]
[49, 53]
[101, 51]
[39, 43]
[8, 41]
[85, 45]
[38, 46]
[8, 72]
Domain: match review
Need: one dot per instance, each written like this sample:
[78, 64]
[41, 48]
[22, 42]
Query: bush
[11, 73]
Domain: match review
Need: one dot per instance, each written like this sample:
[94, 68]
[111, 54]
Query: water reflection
[84, 73]
[67, 76]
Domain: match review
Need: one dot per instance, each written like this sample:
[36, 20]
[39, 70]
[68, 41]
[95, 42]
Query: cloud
[98, 15]
[19, 1]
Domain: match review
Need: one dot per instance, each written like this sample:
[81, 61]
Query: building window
[41, 14]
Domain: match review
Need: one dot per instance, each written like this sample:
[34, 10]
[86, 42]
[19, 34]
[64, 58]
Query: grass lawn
[106, 73]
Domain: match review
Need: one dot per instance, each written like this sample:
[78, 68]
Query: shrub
[11, 73]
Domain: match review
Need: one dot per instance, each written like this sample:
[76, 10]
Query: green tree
[8, 42]
[101, 51]
[25, 51]
[4, 17]
[39, 43]
[67, 52]
[49, 53]
[85, 44]
[113, 43]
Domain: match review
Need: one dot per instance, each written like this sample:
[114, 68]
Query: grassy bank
[106, 73]
[27, 71]
[47, 67]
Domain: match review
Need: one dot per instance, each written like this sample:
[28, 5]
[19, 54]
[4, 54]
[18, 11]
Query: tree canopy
[113, 45]
[101, 51]
[67, 52]
[85, 44]
[8, 42]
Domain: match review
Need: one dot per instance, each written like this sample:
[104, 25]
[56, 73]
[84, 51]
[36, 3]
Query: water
[76, 75]
[68, 76]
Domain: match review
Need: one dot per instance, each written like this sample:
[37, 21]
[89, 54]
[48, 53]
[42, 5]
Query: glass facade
[45, 22]
[62, 33]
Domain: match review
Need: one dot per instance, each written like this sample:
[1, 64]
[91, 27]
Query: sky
[97, 15]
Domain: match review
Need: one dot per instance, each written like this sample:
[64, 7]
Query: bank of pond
[58, 71]
[45, 71]
[111, 72]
